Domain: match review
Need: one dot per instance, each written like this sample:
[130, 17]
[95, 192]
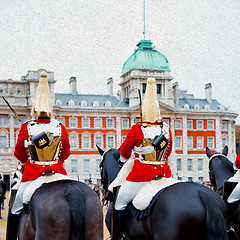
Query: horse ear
[208, 152]
[100, 150]
[225, 151]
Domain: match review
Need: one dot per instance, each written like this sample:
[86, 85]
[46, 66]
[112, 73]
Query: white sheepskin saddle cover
[235, 195]
[33, 186]
[148, 190]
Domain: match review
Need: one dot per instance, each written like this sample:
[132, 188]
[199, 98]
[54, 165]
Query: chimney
[110, 86]
[73, 85]
[175, 92]
[208, 92]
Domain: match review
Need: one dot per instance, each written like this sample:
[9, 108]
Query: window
[107, 104]
[189, 164]
[59, 102]
[3, 141]
[224, 142]
[126, 92]
[199, 142]
[3, 121]
[86, 165]
[83, 103]
[144, 85]
[179, 164]
[178, 124]
[109, 123]
[86, 142]
[178, 142]
[189, 124]
[189, 142]
[73, 122]
[85, 122]
[210, 125]
[166, 121]
[125, 123]
[199, 124]
[98, 141]
[98, 161]
[190, 179]
[123, 138]
[210, 142]
[74, 166]
[97, 122]
[61, 120]
[110, 142]
[1, 91]
[95, 104]
[224, 125]
[18, 91]
[200, 179]
[73, 141]
[159, 88]
[71, 103]
[200, 164]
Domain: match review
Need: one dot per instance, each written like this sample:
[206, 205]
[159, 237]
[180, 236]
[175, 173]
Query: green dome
[145, 57]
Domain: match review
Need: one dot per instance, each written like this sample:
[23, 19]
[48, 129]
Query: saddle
[33, 186]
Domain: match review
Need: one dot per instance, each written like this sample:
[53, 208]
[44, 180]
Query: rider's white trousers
[18, 203]
[127, 193]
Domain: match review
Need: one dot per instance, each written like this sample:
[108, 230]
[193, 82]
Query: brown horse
[62, 210]
[183, 211]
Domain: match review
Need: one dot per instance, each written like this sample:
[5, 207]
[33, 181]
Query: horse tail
[214, 220]
[76, 202]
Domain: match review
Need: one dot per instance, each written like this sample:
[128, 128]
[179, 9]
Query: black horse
[220, 170]
[184, 211]
[63, 210]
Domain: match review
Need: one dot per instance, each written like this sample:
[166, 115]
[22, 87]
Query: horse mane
[227, 164]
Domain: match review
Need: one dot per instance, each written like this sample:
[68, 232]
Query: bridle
[101, 165]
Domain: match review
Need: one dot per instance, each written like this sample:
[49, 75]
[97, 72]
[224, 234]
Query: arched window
[59, 102]
[96, 104]
[71, 103]
[83, 103]
[107, 104]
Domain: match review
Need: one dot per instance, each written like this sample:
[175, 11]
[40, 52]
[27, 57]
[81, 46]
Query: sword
[140, 99]
[18, 118]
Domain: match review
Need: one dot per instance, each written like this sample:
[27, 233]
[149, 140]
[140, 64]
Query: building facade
[106, 119]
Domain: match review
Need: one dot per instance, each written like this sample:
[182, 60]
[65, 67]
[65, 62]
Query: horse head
[220, 168]
[109, 167]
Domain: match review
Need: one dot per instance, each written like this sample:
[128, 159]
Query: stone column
[11, 130]
[184, 129]
[173, 134]
[218, 134]
[118, 131]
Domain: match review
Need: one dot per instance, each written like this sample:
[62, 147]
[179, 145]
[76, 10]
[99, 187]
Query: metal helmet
[151, 109]
[42, 104]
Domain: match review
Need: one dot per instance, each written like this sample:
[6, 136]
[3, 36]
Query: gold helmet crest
[42, 103]
[151, 109]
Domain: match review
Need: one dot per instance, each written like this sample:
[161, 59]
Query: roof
[188, 101]
[145, 57]
[89, 100]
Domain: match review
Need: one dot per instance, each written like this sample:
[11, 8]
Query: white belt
[43, 163]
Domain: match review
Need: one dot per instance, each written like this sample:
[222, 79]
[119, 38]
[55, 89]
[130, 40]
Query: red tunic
[31, 170]
[143, 172]
[238, 160]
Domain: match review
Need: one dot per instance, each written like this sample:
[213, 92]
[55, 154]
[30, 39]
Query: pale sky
[92, 39]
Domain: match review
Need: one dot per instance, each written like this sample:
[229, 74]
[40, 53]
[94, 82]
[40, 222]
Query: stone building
[106, 119]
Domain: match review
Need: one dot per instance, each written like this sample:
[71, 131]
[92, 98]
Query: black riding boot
[118, 223]
[12, 226]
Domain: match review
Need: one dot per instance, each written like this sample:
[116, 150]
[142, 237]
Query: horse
[183, 211]
[63, 210]
[220, 170]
